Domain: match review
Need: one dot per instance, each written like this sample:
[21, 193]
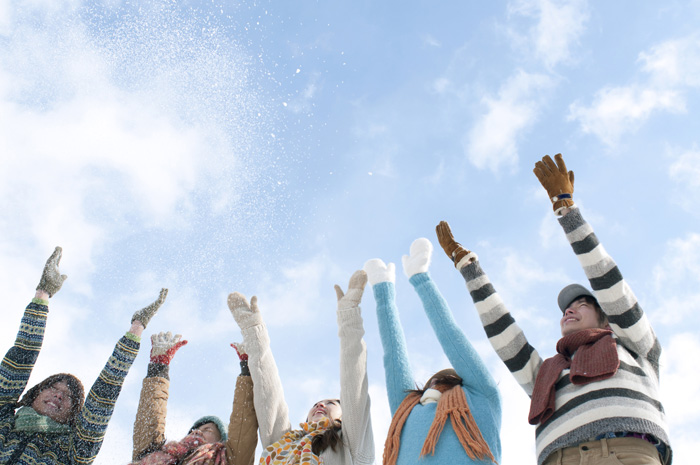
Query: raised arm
[99, 403]
[626, 318]
[462, 355]
[354, 395]
[243, 424]
[504, 334]
[397, 368]
[19, 360]
[270, 407]
[149, 425]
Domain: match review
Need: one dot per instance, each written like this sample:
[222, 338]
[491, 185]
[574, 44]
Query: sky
[271, 148]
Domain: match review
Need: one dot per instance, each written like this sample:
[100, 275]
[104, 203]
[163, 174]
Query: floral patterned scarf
[294, 448]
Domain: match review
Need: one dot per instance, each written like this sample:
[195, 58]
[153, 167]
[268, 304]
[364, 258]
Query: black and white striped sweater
[629, 401]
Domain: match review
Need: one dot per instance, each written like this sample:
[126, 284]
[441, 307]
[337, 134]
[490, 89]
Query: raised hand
[164, 345]
[239, 347]
[246, 315]
[452, 248]
[379, 272]
[556, 180]
[51, 279]
[356, 288]
[146, 313]
[418, 261]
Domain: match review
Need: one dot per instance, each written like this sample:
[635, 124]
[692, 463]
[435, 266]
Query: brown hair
[77, 393]
[330, 438]
[453, 406]
[602, 317]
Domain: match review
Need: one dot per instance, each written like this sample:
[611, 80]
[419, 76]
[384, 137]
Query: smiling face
[210, 433]
[579, 315]
[329, 408]
[55, 402]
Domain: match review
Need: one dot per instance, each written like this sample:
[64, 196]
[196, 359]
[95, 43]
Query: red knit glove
[164, 346]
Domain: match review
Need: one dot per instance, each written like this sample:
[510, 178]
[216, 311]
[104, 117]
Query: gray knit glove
[146, 313]
[246, 315]
[51, 279]
[356, 288]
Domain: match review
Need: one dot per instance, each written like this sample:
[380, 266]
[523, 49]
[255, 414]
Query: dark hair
[330, 438]
[77, 393]
[602, 317]
[446, 377]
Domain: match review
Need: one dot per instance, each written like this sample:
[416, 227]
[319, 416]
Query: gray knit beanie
[211, 419]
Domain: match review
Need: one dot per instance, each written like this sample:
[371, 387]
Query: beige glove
[246, 315]
[556, 180]
[146, 313]
[51, 279]
[356, 288]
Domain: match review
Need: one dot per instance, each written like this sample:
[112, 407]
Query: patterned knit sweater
[81, 445]
[479, 386]
[357, 446]
[629, 401]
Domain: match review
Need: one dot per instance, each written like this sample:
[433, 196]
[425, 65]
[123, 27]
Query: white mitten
[246, 315]
[419, 259]
[379, 272]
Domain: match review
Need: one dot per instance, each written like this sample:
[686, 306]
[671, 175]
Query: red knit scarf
[596, 359]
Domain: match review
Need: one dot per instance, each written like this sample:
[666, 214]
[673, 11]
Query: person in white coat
[336, 431]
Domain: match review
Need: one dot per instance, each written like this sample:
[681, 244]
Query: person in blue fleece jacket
[467, 395]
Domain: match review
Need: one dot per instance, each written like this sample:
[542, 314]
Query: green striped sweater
[82, 444]
[629, 401]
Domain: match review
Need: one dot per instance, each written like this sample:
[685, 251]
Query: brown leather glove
[452, 248]
[556, 180]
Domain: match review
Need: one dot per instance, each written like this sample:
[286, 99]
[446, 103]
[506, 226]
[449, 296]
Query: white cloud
[677, 280]
[616, 110]
[558, 28]
[674, 62]
[668, 69]
[684, 172]
[431, 41]
[492, 141]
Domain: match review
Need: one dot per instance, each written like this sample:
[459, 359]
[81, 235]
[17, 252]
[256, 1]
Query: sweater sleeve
[270, 407]
[19, 360]
[504, 334]
[462, 355]
[354, 395]
[99, 403]
[243, 425]
[149, 426]
[627, 320]
[399, 377]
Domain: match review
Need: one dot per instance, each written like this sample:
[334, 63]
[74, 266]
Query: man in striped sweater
[597, 400]
[54, 425]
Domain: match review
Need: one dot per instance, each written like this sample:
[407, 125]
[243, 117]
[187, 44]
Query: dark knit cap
[571, 293]
[211, 419]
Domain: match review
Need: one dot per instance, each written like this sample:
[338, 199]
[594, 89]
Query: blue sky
[271, 148]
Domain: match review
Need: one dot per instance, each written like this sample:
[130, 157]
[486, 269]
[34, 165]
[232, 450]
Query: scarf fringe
[452, 405]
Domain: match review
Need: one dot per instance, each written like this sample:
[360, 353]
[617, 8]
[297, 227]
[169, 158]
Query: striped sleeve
[19, 360]
[461, 354]
[627, 320]
[503, 332]
[99, 404]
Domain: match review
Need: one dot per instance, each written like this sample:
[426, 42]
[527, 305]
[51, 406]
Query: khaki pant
[615, 451]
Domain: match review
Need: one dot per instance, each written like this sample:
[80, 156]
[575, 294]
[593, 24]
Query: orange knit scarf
[452, 403]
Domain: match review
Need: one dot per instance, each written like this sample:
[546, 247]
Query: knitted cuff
[158, 370]
[244, 368]
[41, 302]
[133, 337]
[466, 260]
